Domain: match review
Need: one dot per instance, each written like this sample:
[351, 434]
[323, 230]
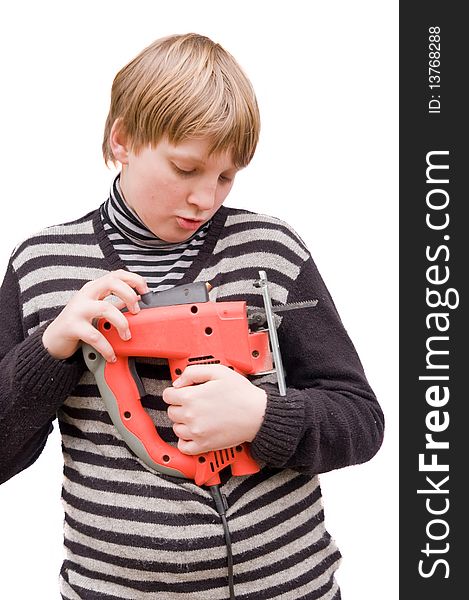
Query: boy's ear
[118, 142]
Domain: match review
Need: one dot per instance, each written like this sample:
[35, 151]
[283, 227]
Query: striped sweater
[132, 534]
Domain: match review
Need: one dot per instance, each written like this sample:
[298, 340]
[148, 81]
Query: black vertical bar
[434, 397]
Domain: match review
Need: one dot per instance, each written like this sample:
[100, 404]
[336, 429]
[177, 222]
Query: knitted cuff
[281, 429]
[42, 376]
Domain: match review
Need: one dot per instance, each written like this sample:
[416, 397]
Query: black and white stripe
[163, 264]
[131, 534]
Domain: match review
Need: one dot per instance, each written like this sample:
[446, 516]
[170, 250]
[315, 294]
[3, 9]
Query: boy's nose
[204, 198]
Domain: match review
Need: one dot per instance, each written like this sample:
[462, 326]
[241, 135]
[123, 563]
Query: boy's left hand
[223, 410]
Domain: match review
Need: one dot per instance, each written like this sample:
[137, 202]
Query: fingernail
[177, 383]
[136, 308]
[127, 335]
[113, 359]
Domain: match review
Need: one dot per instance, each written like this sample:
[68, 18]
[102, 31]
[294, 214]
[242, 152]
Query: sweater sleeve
[33, 385]
[330, 417]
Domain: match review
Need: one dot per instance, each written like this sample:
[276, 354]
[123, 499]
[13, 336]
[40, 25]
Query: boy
[183, 121]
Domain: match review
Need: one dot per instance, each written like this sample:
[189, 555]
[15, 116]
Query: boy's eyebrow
[181, 154]
[193, 158]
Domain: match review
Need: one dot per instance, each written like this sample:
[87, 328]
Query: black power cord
[222, 505]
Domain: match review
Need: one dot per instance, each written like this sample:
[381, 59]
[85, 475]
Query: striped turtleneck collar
[131, 227]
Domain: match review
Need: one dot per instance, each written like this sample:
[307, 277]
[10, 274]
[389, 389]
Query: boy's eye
[183, 172]
[225, 179]
[190, 172]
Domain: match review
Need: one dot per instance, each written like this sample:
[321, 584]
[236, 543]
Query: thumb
[198, 374]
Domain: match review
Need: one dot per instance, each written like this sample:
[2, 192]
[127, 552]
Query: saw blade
[294, 306]
[257, 316]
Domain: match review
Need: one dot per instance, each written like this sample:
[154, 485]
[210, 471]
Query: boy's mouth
[189, 224]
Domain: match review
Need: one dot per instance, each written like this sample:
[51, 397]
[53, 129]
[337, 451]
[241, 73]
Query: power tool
[185, 327]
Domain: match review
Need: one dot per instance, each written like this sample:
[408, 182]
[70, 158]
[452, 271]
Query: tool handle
[121, 390]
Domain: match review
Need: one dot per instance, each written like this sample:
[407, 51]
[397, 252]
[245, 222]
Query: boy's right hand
[74, 324]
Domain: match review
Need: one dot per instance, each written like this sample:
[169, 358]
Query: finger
[90, 335]
[172, 396]
[133, 279]
[122, 284]
[102, 309]
[176, 414]
[182, 432]
[122, 290]
[200, 374]
[115, 301]
[189, 447]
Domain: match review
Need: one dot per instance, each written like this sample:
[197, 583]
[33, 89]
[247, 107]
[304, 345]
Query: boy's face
[175, 189]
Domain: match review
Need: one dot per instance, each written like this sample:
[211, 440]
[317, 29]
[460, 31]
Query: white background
[325, 74]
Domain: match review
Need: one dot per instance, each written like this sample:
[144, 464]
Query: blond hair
[183, 87]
